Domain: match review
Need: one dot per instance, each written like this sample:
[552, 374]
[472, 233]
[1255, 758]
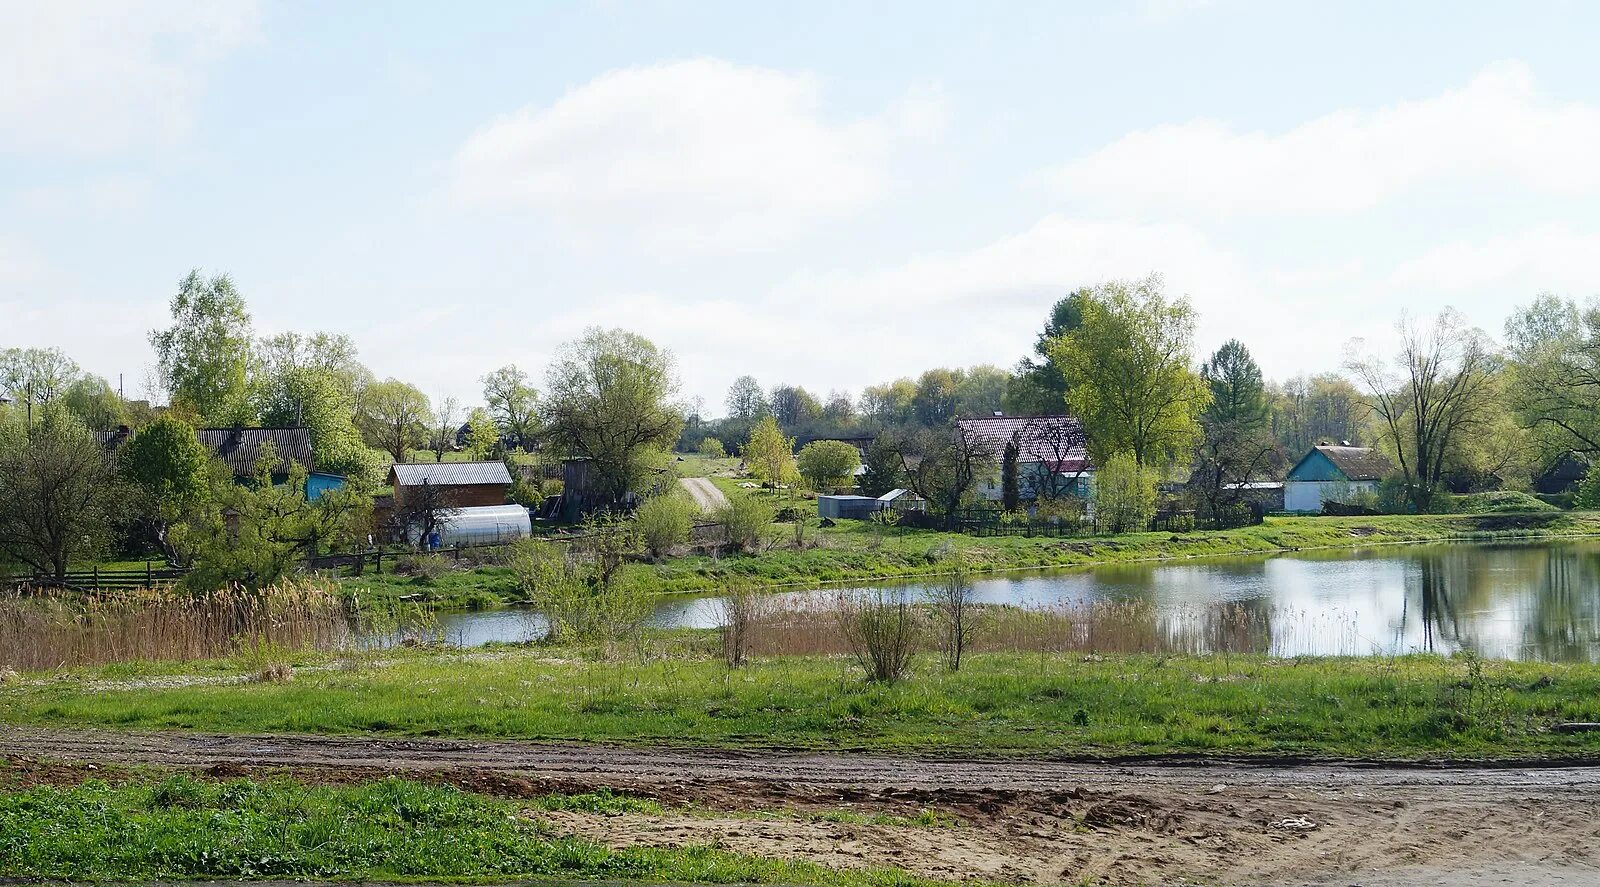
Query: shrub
[745, 523]
[1124, 495]
[712, 448]
[957, 614]
[579, 590]
[741, 608]
[1588, 495]
[881, 631]
[665, 522]
[828, 463]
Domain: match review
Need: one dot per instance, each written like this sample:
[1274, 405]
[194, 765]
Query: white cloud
[1498, 130]
[699, 153]
[88, 76]
[1553, 257]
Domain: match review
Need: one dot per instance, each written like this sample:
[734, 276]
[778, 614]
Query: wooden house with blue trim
[1333, 474]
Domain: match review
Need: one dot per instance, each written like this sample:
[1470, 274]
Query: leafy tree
[253, 535]
[938, 396]
[1554, 380]
[712, 448]
[890, 404]
[1432, 396]
[665, 522]
[512, 404]
[1236, 446]
[612, 401]
[769, 453]
[828, 463]
[1124, 494]
[792, 406]
[981, 390]
[278, 361]
[1127, 367]
[483, 436]
[60, 492]
[91, 399]
[1038, 387]
[1310, 410]
[325, 408]
[394, 417]
[884, 468]
[747, 401]
[169, 472]
[204, 355]
[36, 376]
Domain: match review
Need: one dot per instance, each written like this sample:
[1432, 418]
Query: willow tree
[612, 400]
[1128, 372]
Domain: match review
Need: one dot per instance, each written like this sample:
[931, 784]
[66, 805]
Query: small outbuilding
[1333, 474]
[469, 484]
[850, 507]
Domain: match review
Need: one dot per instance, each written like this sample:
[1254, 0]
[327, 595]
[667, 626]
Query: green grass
[1406, 707]
[393, 829]
[855, 551]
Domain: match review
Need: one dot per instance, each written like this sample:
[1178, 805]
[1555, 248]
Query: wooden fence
[96, 579]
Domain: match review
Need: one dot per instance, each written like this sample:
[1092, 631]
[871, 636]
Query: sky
[826, 194]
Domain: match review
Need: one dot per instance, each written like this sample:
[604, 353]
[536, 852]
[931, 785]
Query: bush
[828, 463]
[957, 613]
[1124, 495]
[712, 448]
[745, 523]
[1588, 495]
[578, 589]
[881, 631]
[665, 522]
[741, 608]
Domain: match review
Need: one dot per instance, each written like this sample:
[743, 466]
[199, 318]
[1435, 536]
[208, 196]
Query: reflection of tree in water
[1561, 623]
[1440, 619]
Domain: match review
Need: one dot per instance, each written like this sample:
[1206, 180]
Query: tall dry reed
[45, 630]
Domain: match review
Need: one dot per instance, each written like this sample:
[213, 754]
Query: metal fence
[994, 522]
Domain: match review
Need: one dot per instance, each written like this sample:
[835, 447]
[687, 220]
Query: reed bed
[1111, 627]
[42, 630]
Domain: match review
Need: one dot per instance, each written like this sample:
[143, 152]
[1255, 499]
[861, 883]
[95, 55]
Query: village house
[468, 484]
[1333, 474]
[1052, 455]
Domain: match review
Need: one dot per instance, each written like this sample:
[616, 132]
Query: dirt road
[705, 493]
[1028, 821]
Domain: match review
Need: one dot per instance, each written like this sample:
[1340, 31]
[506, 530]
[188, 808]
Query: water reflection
[1503, 601]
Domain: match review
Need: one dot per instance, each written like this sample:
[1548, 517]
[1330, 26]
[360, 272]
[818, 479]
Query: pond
[1533, 601]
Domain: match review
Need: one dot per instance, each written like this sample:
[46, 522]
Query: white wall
[1307, 496]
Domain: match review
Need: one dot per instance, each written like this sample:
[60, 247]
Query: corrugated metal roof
[451, 474]
[241, 447]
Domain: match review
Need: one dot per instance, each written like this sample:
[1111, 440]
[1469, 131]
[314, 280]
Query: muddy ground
[1024, 821]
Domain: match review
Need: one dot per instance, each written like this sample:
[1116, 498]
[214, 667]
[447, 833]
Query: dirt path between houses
[705, 493]
[1018, 820]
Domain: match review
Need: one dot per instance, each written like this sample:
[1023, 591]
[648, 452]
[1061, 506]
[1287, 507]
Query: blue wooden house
[1333, 474]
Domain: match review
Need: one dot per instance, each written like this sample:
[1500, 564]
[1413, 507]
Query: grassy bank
[1408, 707]
[391, 830]
[855, 551]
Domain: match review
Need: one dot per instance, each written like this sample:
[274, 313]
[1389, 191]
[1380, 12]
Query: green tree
[1554, 379]
[747, 401]
[828, 463]
[793, 406]
[483, 435]
[1236, 446]
[612, 401]
[204, 356]
[513, 404]
[91, 399]
[253, 535]
[326, 409]
[61, 493]
[1125, 494]
[665, 522]
[891, 403]
[769, 453]
[394, 417]
[952, 461]
[712, 448]
[1128, 371]
[884, 468]
[938, 396]
[36, 376]
[169, 472]
[278, 361]
[1038, 387]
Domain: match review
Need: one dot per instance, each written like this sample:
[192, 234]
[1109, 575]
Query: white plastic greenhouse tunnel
[485, 524]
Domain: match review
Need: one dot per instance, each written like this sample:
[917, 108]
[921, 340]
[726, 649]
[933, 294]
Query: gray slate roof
[240, 447]
[451, 474]
[1359, 463]
[1055, 440]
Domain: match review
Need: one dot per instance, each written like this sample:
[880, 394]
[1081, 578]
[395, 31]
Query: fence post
[377, 561]
[149, 581]
[96, 577]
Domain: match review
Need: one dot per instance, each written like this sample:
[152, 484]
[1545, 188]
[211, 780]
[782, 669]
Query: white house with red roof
[1052, 454]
